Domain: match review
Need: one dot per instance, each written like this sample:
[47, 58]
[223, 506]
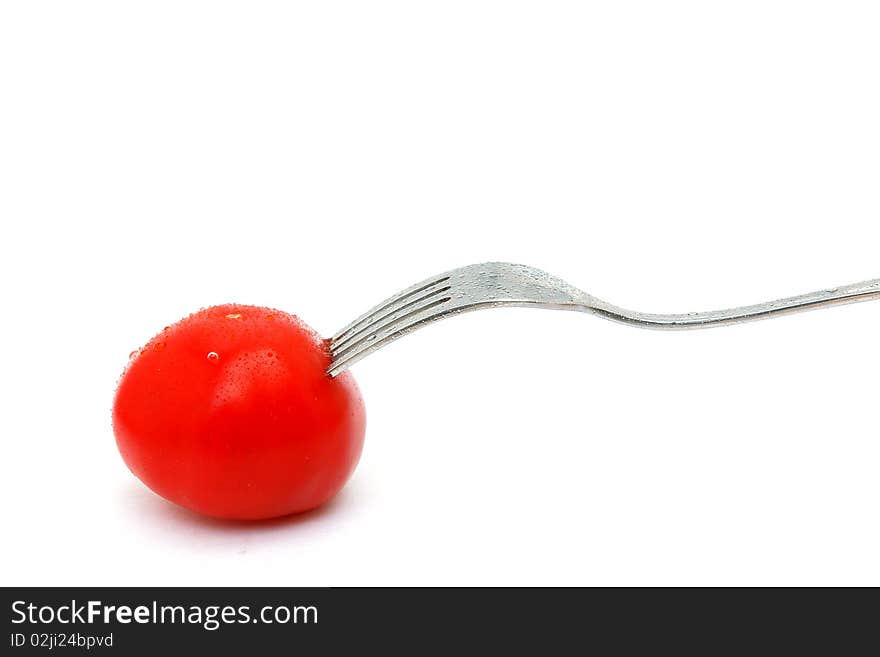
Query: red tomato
[230, 413]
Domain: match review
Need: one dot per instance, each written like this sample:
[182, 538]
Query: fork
[497, 284]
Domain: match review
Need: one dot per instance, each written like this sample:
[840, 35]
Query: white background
[316, 157]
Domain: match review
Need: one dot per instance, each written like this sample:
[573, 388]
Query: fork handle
[856, 293]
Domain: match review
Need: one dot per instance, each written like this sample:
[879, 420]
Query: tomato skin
[230, 413]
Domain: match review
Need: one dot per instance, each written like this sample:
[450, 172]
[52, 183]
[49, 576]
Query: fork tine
[378, 320]
[398, 317]
[397, 327]
[391, 304]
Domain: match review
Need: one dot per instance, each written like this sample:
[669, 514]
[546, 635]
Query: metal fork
[496, 284]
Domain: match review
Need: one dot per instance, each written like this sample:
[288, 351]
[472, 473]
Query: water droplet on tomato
[213, 356]
[159, 346]
[133, 354]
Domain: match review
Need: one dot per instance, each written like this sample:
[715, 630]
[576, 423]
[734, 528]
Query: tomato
[230, 413]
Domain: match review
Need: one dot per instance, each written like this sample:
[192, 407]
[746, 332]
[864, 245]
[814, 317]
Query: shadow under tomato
[144, 502]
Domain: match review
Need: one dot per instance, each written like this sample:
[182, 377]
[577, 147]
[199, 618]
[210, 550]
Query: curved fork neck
[856, 293]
